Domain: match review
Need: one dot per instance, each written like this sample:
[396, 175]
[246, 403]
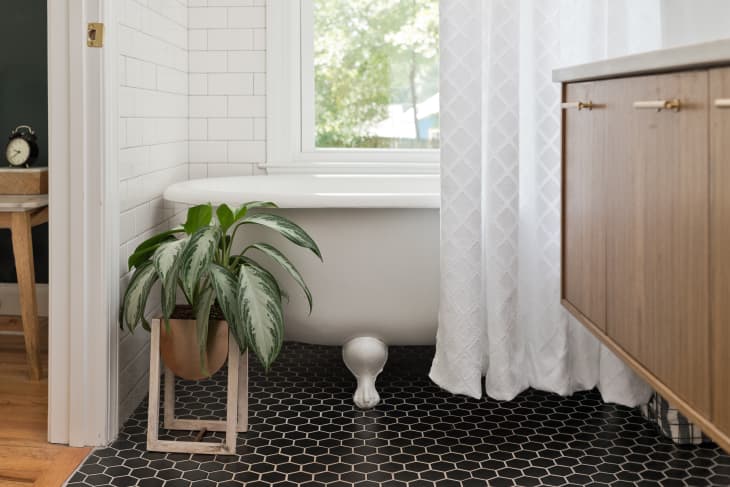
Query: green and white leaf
[135, 297]
[287, 228]
[202, 318]
[226, 290]
[166, 260]
[196, 259]
[251, 205]
[243, 209]
[146, 249]
[284, 262]
[260, 310]
[249, 296]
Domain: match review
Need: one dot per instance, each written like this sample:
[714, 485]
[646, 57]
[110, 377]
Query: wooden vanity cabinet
[585, 169]
[658, 232]
[720, 244]
[646, 243]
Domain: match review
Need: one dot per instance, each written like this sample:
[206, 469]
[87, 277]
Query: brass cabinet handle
[579, 105]
[658, 105]
[722, 103]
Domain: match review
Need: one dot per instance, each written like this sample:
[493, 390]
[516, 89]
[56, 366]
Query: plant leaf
[287, 228]
[260, 310]
[197, 257]
[243, 209]
[284, 262]
[225, 217]
[202, 318]
[198, 217]
[226, 288]
[166, 260]
[260, 204]
[144, 251]
[136, 294]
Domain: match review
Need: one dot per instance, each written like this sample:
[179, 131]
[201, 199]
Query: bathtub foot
[365, 357]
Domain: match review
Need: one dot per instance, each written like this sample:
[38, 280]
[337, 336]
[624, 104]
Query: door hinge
[95, 34]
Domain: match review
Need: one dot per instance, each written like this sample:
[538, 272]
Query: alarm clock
[22, 148]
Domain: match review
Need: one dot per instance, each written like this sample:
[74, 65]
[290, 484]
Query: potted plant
[233, 289]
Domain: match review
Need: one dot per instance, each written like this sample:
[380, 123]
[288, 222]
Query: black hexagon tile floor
[304, 431]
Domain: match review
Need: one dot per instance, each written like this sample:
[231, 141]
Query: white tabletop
[23, 169]
[13, 203]
[693, 56]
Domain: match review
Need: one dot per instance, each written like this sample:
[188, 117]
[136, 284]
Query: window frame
[290, 105]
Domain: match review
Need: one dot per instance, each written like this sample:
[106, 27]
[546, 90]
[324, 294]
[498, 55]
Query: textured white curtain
[500, 316]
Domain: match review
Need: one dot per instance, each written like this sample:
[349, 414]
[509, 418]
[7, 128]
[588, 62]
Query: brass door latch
[95, 34]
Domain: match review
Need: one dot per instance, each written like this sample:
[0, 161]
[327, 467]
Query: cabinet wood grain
[584, 230]
[658, 232]
[720, 246]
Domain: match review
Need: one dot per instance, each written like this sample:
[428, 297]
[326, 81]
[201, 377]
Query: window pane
[376, 74]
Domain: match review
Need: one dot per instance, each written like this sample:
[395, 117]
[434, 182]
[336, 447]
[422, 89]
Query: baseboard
[10, 299]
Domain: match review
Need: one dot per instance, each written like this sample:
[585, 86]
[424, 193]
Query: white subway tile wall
[227, 82]
[154, 149]
[192, 104]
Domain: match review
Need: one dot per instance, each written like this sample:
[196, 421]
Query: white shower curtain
[501, 316]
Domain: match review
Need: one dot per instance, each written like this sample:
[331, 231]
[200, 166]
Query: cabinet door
[584, 225]
[720, 246]
[658, 231]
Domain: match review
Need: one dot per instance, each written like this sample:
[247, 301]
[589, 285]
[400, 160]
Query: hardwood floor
[26, 458]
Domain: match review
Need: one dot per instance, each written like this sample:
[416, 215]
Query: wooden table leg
[20, 227]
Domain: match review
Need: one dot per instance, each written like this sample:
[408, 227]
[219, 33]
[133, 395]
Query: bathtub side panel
[379, 277]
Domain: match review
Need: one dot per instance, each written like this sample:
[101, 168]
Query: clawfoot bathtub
[378, 285]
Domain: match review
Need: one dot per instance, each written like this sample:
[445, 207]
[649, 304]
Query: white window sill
[302, 167]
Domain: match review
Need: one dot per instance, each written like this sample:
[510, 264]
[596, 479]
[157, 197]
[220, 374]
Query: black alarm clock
[22, 148]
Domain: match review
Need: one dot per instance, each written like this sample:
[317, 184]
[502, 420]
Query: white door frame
[83, 225]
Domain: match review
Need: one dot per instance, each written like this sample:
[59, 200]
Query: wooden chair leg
[20, 227]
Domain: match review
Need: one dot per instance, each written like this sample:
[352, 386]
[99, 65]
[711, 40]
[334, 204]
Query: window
[354, 83]
[376, 74]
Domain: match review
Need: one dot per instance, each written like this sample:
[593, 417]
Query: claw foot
[365, 357]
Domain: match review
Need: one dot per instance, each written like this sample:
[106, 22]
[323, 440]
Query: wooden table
[20, 214]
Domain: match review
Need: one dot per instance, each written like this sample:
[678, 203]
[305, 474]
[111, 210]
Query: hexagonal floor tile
[305, 431]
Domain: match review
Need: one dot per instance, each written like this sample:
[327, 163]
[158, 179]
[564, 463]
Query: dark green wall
[24, 100]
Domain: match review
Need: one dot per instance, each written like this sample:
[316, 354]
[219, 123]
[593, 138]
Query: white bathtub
[378, 285]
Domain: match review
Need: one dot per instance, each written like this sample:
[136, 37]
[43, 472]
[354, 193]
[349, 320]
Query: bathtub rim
[186, 193]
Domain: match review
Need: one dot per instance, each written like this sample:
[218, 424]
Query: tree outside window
[376, 74]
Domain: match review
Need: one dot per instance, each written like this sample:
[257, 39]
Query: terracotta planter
[180, 351]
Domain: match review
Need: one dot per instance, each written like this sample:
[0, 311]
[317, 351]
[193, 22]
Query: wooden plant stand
[236, 405]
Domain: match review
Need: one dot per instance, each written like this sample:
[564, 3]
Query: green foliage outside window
[369, 55]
